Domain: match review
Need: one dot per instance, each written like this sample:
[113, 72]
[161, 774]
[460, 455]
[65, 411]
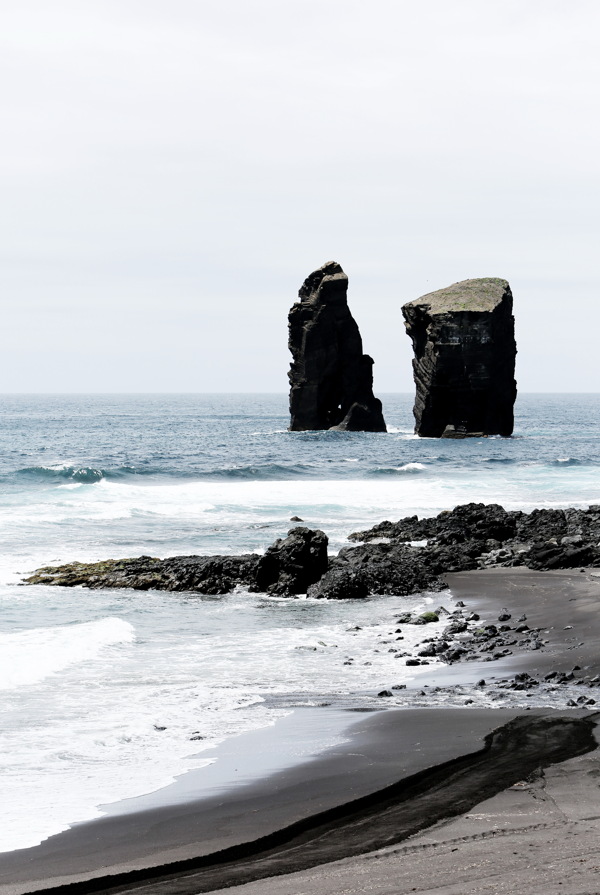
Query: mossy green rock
[200, 574]
[425, 618]
[429, 617]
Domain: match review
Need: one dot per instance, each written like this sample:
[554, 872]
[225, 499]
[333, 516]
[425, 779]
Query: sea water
[107, 695]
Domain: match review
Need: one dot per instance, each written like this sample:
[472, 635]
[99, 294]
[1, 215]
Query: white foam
[405, 433]
[27, 657]
[120, 722]
[117, 519]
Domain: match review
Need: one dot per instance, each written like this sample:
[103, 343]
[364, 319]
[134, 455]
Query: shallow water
[108, 695]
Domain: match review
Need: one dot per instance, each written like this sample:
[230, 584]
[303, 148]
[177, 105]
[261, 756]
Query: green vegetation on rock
[91, 573]
[428, 617]
[475, 295]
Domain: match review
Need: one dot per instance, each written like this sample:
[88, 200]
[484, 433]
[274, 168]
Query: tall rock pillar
[464, 365]
[331, 380]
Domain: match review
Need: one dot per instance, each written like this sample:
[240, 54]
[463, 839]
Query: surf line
[510, 753]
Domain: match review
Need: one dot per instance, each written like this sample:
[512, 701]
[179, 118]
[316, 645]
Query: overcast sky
[172, 170]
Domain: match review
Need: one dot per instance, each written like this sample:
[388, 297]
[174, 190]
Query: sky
[172, 170]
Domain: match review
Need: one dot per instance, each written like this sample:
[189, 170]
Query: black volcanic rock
[464, 343]
[331, 380]
[288, 567]
[197, 574]
[340, 584]
[292, 564]
[469, 521]
[388, 568]
[471, 536]
[476, 535]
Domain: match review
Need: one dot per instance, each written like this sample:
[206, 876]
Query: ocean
[108, 695]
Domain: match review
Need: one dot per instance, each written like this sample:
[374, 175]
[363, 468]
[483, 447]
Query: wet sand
[381, 749]
[375, 791]
[537, 837]
[565, 604]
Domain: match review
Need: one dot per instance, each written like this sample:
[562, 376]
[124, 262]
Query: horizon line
[282, 393]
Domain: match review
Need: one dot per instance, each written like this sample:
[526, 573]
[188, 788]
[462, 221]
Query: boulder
[292, 564]
[331, 380]
[340, 584]
[389, 568]
[464, 344]
[551, 556]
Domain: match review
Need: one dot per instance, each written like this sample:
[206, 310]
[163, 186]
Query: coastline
[381, 749]
[538, 836]
[562, 604]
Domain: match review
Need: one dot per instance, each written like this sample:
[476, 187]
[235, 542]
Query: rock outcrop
[471, 536]
[211, 575]
[464, 365]
[477, 535]
[331, 380]
[292, 564]
[289, 566]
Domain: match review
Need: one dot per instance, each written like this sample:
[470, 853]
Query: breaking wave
[86, 475]
[89, 475]
[261, 472]
[406, 469]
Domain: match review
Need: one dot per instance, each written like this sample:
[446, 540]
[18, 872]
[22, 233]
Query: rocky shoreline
[404, 558]
[514, 638]
[399, 558]
[470, 638]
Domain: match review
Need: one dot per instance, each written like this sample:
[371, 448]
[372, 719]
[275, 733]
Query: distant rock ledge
[331, 380]
[471, 536]
[464, 366]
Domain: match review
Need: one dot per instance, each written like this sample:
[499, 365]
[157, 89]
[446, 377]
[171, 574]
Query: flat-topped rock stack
[464, 366]
[331, 380]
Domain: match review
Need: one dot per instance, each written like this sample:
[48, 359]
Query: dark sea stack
[464, 365]
[331, 380]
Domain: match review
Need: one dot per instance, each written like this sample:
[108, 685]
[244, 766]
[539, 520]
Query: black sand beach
[400, 773]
